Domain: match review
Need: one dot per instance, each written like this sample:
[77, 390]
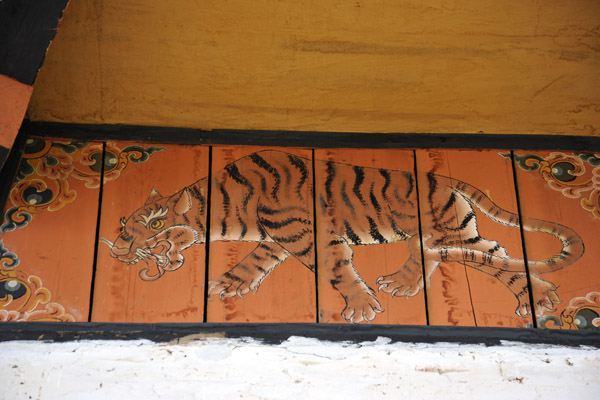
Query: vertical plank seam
[461, 242]
[425, 288]
[207, 234]
[97, 236]
[522, 231]
[314, 201]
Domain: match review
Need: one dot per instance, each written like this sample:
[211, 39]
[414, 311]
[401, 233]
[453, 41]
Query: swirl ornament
[42, 181]
[575, 175]
[24, 298]
[583, 313]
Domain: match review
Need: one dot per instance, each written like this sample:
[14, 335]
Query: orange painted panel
[472, 243]
[261, 251]
[562, 189]
[151, 259]
[367, 205]
[48, 232]
[14, 97]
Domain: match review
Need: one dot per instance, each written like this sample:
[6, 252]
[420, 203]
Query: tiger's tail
[572, 244]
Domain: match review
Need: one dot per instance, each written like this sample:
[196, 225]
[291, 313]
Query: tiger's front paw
[361, 308]
[229, 285]
[401, 284]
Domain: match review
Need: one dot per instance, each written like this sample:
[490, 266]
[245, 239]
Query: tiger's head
[159, 231]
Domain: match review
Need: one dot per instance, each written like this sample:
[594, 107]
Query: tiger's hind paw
[360, 310]
[399, 284]
[228, 285]
[544, 295]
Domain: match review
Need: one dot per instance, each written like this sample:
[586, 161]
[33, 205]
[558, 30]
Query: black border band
[312, 139]
[277, 333]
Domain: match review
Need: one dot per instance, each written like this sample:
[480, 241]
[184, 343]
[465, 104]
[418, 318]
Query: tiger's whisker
[107, 242]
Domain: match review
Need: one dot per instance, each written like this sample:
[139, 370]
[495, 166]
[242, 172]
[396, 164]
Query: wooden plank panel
[366, 205]
[562, 188]
[472, 244]
[163, 281]
[48, 232]
[261, 218]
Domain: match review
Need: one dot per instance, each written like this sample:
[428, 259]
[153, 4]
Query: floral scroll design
[575, 175]
[583, 313]
[23, 297]
[42, 181]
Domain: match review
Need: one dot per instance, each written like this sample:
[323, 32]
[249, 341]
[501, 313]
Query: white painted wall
[300, 368]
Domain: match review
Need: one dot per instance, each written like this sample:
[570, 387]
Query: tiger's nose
[119, 251]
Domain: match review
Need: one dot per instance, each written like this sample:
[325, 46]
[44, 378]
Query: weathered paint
[120, 293]
[399, 301]
[459, 294]
[14, 98]
[335, 65]
[49, 225]
[288, 293]
[563, 186]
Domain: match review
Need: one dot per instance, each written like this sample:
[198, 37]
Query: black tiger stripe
[226, 202]
[335, 242]
[232, 277]
[234, 173]
[292, 238]
[223, 227]
[432, 187]
[374, 201]
[374, 231]
[200, 225]
[301, 166]
[472, 240]
[263, 182]
[261, 230]
[470, 215]
[288, 176]
[259, 268]
[262, 209]
[264, 246]
[331, 172]
[494, 249]
[388, 180]
[351, 234]
[411, 185]
[448, 205]
[395, 228]
[281, 224]
[242, 224]
[262, 163]
[359, 173]
[304, 252]
[345, 198]
[197, 194]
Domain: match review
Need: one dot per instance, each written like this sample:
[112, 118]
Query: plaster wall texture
[297, 368]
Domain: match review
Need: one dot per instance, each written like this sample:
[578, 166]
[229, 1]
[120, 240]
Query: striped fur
[267, 197]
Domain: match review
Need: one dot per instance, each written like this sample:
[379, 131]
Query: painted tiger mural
[256, 199]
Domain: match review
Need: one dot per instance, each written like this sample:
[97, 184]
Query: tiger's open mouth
[155, 256]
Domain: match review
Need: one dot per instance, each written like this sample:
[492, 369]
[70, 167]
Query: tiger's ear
[184, 203]
[154, 195]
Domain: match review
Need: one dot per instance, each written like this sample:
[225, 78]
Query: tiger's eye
[157, 224]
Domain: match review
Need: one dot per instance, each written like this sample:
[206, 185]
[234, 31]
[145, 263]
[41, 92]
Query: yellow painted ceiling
[332, 65]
